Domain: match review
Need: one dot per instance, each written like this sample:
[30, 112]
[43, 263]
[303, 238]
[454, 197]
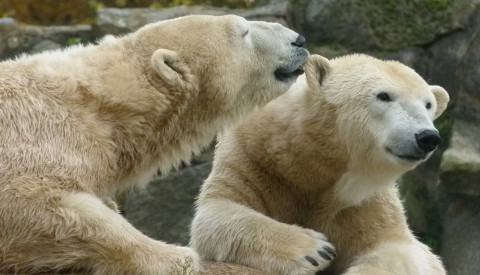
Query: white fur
[313, 164]
[80, 124]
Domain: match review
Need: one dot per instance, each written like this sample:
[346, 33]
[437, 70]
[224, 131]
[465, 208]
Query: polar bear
[81, 124]
[322, 160]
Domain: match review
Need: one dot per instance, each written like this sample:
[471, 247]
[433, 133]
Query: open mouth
[407, 157]
[284, 74]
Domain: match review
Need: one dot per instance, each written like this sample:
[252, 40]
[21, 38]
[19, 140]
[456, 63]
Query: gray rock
[16, 38]
[461, 237]
[461, 162]
[415, 57]
[376, 25]
[471, 71]
[166, 209]
[446, 55]
[118, 21]
[45, 45]
[460, 171]
[337, 21]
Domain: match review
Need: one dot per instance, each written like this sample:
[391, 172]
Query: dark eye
[384, 96]
[245, 33]
[428, 105]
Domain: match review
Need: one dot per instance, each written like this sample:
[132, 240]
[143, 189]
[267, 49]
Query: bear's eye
[245, 33]
[384, 96]
[428, 105]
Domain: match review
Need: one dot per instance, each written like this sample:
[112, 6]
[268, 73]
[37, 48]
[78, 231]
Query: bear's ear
[442, 98]
[170, 67]
[316, 68]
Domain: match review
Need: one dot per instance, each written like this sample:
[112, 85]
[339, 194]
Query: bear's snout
[428, 140]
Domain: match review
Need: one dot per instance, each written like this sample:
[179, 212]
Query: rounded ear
[442, 98]
[170, 67]
[316, 68]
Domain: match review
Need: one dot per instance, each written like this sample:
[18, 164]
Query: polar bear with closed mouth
[81, 124]
[321, 161]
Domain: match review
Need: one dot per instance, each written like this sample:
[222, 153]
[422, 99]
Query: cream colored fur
[315, 161]
[79, 125]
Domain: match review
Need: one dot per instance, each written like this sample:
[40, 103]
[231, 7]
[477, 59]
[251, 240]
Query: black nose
[428, 140]
[299, 42]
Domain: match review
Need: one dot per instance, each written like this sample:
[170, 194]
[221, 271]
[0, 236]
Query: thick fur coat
[321, 162]
[79, 125]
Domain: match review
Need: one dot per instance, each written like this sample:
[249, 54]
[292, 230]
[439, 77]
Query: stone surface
[460, 169]
[415, 57]
[165, 210]
[118, 21]
[16, 38]
[461, 237]
[459, 198]
[446, 55]
[377, 24]
[461, 162]
[45, 45]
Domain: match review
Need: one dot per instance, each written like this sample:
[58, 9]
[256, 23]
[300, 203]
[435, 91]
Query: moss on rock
[398, 23]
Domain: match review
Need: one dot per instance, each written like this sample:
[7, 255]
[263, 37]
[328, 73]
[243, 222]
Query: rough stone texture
[117, 21]
[16, 38]
[378, 24]
[461, 238]
[337, 21]
[415, 57]
[460, 166]
[460, 169]
[446, 54]
[461, 162]
[165, 210]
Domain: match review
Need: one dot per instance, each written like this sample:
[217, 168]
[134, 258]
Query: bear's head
[230, 62]
[383, 111]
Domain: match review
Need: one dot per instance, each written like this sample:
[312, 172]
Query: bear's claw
[324, 255]
[311, 260]
[330, 251]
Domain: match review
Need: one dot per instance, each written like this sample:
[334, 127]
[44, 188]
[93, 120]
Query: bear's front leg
[226, 231]
[397, 258]
[50, 224]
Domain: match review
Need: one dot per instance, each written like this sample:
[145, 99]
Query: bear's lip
[407, 157]
[284, 75]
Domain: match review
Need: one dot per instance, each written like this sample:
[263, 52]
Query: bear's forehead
[389, 74]
[404, 78]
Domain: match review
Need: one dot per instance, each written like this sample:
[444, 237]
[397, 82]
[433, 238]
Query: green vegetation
[74, 41]
[54, 12]
[398, 23]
